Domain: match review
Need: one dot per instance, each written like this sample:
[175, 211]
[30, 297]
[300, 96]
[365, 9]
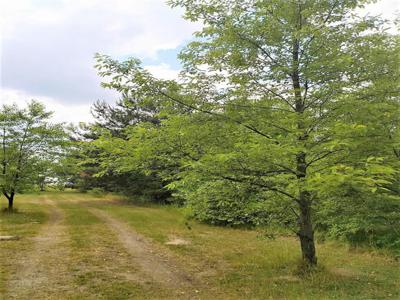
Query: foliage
[360, 217]
[227, 203]
[96, 153]
[30, 146]
[289, 98]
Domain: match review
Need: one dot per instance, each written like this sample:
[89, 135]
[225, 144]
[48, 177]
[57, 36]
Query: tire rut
[42, 272]
[160, 266]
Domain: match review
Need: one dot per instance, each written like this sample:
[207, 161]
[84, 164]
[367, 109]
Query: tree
[95, 161]
[28, 141]
[292, 90]
[124, 113]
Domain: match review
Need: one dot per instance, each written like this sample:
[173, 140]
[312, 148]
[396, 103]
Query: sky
[47, 47]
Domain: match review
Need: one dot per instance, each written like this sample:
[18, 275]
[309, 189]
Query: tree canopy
[30, 145]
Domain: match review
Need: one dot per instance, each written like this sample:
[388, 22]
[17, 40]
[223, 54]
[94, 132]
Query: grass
[232, 263]
[100, 262]
[24, 223]
[241, 263]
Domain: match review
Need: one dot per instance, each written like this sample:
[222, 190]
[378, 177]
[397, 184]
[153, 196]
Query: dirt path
[42, 272]
[158, 265]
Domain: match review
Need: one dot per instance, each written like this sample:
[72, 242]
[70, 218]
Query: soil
[44, 267]
[160, 266]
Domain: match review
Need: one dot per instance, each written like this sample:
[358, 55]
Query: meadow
[84, 246]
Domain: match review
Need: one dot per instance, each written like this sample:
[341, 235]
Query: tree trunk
[10, 199]
[306, 231]
[11, 203]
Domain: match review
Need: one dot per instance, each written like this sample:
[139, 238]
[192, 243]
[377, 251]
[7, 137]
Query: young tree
[27, 140]
[294, 89]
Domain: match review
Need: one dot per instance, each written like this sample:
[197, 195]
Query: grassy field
[79, 246]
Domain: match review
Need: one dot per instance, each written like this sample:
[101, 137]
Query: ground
[82, 246]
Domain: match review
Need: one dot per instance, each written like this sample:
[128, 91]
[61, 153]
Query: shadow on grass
[6, 210]
[17, 216]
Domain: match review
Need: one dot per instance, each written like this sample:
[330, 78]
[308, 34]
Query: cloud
[385, 8]
[61, 112]
[73, 112]
[163, 71]
[48, 46]
[119, 27]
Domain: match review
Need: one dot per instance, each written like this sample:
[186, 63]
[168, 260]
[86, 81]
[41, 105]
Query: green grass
[231, 263]
[24, 223]
[99, 261]
[239, 263]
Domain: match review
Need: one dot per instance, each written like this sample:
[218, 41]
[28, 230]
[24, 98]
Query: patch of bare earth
[42, 272]
[177, 241]
[287, 278]
[157, 264]
[345, 272]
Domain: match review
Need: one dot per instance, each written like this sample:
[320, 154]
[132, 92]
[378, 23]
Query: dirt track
[159, 266]
[45, 266]
[44, 270]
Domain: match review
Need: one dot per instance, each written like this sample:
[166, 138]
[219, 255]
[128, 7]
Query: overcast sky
[47, 47]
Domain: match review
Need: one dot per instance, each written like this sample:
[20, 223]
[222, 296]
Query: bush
[98, 192]
[359, 217]
[226, 204]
